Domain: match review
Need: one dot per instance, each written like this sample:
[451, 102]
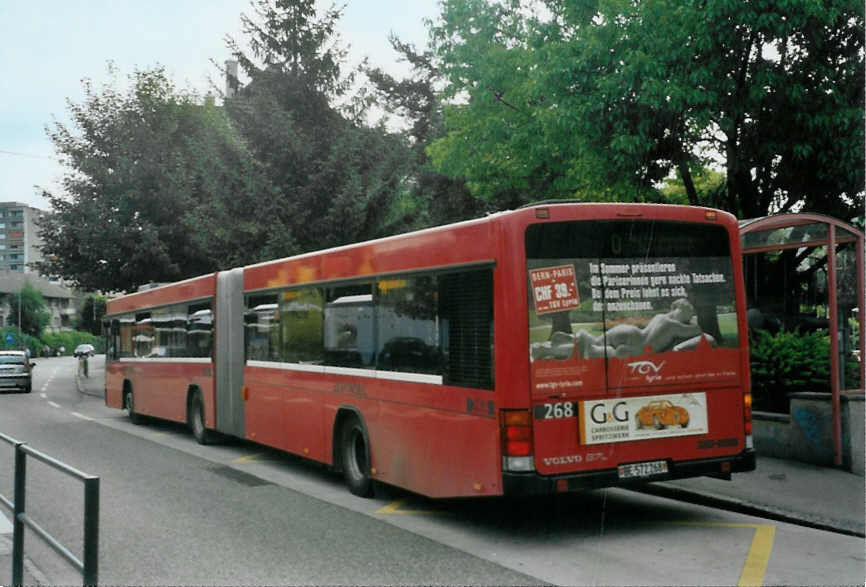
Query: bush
[31, 342]
[785, 363]
[69, 339]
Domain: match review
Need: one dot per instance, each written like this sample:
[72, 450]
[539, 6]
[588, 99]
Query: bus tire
[355, 458]
[195, 417]
[129, 406]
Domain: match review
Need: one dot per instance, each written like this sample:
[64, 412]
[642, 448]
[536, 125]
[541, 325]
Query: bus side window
[199, 339]
[408, 325]
[301, 325]
[349, 327]
[261, 328]
[113, 330]
[466, 324]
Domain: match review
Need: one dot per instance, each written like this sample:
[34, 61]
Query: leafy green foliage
[709, 186]
[333, 180]
[92, 312]
[25, 342]
[433, 198]
[604, 99]
[69, 339]
[31, 307]
[787, 362]
[143, 164]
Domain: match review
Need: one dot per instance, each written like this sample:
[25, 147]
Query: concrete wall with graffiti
[806, 434]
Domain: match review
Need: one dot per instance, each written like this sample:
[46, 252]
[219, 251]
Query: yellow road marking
[759, 552]
[251, 458]
[395, 508]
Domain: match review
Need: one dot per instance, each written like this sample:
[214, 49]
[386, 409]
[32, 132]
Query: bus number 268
[560, 410]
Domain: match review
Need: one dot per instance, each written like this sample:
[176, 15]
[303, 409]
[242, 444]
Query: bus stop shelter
[805, 274]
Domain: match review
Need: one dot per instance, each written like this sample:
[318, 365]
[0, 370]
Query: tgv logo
[647, 368]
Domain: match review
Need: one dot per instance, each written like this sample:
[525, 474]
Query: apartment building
[19, 238]
[61, 302]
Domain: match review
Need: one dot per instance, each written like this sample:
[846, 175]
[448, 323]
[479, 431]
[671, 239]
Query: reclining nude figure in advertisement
[671, 330]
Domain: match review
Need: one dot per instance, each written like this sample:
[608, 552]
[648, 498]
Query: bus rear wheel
[356, 459]
[129, 406]
[195, 416]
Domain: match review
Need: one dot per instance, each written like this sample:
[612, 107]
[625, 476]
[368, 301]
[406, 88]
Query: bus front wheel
[356, 459]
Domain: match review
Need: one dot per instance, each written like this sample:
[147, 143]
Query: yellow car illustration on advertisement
[661, 414]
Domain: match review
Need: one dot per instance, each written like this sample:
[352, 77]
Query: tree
[606, 98]
[31, 307]
[334, 179]
[434, 198]
[92, 312]
[142, 166]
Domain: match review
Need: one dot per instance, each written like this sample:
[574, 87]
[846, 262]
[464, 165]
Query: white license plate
[642, 469]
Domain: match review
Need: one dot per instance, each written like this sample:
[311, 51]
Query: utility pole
[20, 330]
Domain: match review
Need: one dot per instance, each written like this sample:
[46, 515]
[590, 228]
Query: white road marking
[53, 405]
[82, 416]
[43, 395]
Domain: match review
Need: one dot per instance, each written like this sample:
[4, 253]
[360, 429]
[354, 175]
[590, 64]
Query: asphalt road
[175, 512]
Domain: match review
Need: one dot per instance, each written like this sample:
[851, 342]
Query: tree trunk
[686, 175]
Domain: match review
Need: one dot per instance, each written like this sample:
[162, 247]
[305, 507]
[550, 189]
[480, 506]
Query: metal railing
[89, 567]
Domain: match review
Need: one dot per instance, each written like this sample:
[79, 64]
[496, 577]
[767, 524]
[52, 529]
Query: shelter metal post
[834, 345]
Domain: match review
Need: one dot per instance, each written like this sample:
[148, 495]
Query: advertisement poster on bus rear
[641, 418]
[602, 323]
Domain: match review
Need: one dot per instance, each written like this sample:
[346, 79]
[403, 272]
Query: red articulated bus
[553, 348]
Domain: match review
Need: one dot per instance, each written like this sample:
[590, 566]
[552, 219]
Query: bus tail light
[517, 441]
[747, 417]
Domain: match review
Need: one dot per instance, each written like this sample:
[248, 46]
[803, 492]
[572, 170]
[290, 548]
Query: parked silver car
[16, 371]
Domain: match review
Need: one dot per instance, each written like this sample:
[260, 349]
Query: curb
[751, 509]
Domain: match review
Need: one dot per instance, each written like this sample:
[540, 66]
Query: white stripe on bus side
[371, 373]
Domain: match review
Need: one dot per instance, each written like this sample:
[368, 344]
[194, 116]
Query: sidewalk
[31, 575]
[783, 490]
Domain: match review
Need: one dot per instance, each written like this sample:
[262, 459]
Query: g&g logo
[599, 414]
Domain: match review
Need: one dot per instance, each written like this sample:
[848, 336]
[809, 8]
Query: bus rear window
[623, 288]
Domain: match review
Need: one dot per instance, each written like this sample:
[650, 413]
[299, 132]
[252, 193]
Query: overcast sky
[48, 46]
